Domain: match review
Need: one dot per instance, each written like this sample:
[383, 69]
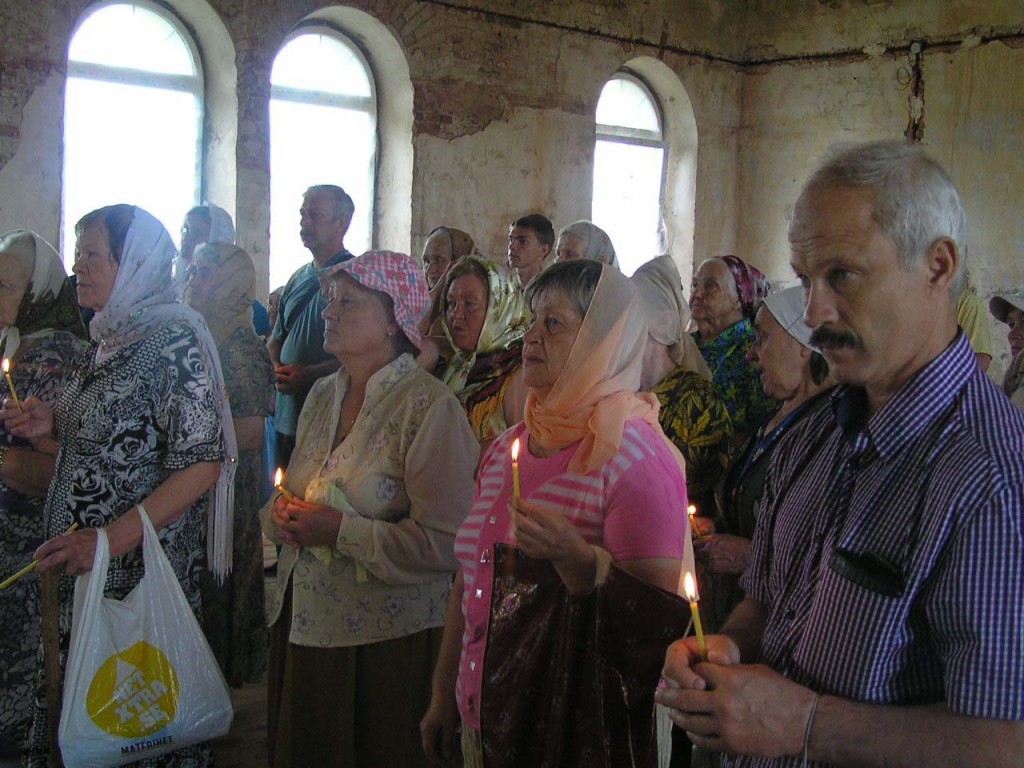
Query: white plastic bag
[141, 679]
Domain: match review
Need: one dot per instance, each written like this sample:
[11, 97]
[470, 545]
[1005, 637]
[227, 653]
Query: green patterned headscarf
[505, 323]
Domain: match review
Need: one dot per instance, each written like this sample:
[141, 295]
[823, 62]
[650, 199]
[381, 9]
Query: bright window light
[629, 163]
[626, 103]
[321, 62]
[322, 131]
[131, 36]
[132, 117]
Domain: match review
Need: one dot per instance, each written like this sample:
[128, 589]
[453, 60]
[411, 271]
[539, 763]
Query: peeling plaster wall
[782, 28]
[973, 102]
[503, 96]
[510, 130]
[33, 50]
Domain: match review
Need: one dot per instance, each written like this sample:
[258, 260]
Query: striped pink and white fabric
[634, 507]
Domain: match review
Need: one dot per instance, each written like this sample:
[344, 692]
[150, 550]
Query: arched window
[323, 129]
[629, 162]
[132, 116]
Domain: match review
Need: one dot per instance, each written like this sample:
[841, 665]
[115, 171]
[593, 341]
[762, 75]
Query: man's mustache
[824, 337]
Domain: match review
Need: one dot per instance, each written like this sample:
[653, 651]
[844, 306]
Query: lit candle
[10, 384]
[515, 469]
[692, 512]
[690, 590]
[279, 484]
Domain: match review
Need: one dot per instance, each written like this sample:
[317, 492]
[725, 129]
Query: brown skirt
[353, 707]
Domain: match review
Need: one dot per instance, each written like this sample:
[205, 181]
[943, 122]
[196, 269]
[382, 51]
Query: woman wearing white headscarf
[692, 414]
[206, 223]
[144, 424]
[221, 289]
[794, 373]
[41, 333]
[585, 240]
[597, 490]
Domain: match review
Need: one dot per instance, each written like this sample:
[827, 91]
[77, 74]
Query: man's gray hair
[341, 202]
[915, 201]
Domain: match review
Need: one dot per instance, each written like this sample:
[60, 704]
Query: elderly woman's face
[714, 302]
[194, 232]
[95, 267]
[437, 257]
[466, 310]
[1015, 319]
[201, 284]
[568, 247]
[780, 358]
[15, 275]
[549, 340]
[356, 320]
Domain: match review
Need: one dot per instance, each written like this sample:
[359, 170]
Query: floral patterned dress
[234, 613]
[695, 418]
[125, 426]
[42, 370]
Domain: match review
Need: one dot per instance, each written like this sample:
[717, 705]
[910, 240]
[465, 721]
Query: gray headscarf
[597, 246]
[661, 291]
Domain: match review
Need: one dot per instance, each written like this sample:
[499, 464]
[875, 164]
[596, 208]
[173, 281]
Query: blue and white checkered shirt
[889, 553]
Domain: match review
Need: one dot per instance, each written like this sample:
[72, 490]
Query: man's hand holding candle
[725, 706]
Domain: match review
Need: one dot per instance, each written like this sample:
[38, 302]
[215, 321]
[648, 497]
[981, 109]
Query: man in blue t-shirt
[297, 343]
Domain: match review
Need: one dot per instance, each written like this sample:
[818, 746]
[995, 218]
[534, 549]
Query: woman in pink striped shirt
[600, 485]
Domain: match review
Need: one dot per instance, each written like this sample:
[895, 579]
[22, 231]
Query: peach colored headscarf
[596, 392]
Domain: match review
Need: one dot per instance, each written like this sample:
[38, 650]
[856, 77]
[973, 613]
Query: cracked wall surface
[503, 94]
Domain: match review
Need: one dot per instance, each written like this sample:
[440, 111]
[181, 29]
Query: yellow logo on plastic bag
[134, 693]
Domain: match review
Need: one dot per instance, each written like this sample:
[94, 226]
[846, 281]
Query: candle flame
[690, 587]
[515, 449]
[691, 510]
[7, 365]
[279, 476]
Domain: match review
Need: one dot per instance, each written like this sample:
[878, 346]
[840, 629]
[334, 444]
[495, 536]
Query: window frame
[194, 84]
[637, 137]
[339, 101]
[626, 135]
[370, 105]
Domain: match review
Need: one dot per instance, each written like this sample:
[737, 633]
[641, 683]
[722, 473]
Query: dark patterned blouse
[125, 426]
[42, 370]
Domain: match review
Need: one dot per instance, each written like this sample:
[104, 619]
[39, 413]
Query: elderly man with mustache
[885, 592]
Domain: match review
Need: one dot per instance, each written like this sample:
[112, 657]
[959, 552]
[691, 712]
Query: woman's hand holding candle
[31, 566]
[279, 485]
[543, 532]
[305, 524]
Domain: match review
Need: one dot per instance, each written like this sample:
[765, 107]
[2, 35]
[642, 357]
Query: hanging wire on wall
[911, 78]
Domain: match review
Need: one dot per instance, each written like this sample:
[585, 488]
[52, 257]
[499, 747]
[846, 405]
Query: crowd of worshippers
[482, 523]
